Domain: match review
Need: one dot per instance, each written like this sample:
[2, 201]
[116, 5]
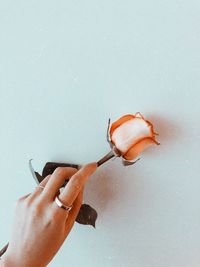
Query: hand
[40, 226]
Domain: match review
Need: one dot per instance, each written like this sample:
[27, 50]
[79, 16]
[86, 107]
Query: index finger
[75, 184]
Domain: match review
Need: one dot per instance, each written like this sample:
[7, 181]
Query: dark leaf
[37, 177]
[87, 215]
[50, 167]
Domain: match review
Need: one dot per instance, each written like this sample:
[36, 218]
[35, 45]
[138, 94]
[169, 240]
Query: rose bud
[132, 134]
[128, 137]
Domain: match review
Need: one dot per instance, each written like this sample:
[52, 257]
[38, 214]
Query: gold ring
[61, 205]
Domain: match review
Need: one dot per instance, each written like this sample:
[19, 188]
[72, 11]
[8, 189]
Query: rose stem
[108, 156]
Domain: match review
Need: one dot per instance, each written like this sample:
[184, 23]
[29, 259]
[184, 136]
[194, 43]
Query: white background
[65, 68]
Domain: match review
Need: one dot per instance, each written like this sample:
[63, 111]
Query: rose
[132, 134]
[128, 137]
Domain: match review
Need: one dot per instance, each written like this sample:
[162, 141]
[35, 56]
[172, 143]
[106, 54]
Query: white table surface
[65, 68]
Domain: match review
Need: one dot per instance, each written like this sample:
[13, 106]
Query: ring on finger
[62, 205]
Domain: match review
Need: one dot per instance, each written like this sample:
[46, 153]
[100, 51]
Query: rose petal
[120, 121]
[139, 115]
[130, 132]
[139, 147]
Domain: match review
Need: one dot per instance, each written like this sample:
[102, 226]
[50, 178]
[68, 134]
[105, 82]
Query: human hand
[40, 226]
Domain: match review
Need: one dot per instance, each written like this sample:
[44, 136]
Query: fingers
[74, 211]
[46, 179]
[76, 183]
[56, 181]
[38, 190]
[24, 197]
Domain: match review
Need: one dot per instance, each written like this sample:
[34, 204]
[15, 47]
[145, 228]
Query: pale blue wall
[65, 68]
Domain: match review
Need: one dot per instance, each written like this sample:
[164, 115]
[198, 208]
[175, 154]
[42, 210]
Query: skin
[40, 226]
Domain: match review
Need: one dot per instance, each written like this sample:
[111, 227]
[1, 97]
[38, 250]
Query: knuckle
[61, 170]
[58, 170]
[20, 201]
[75, 170]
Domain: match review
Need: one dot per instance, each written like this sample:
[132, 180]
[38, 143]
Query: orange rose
[128, 137]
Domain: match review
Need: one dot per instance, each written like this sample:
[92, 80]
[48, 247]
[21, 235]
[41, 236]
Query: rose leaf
[50, 167]
[37, 177]
[87, 215]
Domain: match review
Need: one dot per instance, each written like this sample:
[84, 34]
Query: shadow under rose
[107, 187]
[167, 128]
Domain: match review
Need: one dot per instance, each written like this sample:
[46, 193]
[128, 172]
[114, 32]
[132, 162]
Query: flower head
[131, 135]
